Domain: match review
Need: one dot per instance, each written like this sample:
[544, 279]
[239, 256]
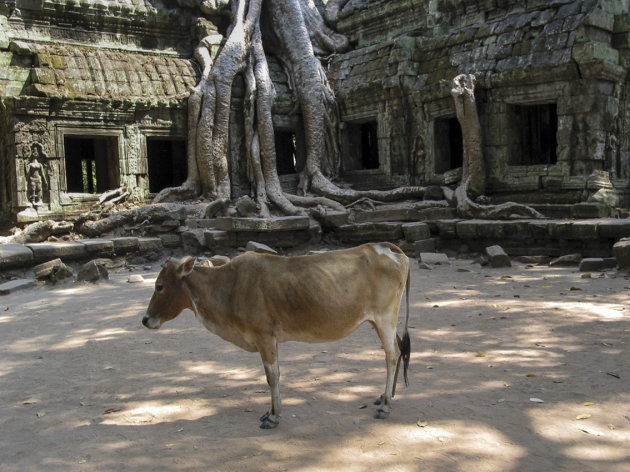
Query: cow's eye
[158, 287]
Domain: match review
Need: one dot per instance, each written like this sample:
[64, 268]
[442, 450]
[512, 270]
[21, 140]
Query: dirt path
[504, 361]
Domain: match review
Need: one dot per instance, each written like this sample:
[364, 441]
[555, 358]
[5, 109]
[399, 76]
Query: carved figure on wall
[36, 175]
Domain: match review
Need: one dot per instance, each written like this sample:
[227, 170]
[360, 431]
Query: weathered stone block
[621, 251]
[614, 229]
[150, 244]
[101, 247]
[416, 231]
[566, 260]
[445, 228]
[171, 240]
[44, 270]
[333, 219]
[366, 232]
[497, 257]
[284, 223]
[92, 272]
[123, 245]
[13, 285]
[214, 239]
[66, 250]
[589, 264]
[436, 258]
[15, 255]
[584, 230]
[425, 245]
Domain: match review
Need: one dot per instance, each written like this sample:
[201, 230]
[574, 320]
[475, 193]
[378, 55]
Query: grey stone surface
[435, 258]
[150, 244]
[369, 232]
[92, 272]
[285, 223]
[589, 264]
[425, 245]
[124, 245]
[416, 231]
[621, 251]
[44, 269]
[65, 250]
[13, 285]
[566, 260]
[15, 255]
[100, 247]
[497, 257]
[171, 240]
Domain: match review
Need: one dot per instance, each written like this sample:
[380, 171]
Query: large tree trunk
[473, 166]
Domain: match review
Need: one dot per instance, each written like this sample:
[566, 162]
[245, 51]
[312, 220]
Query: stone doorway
[91, 164]
[167, 163]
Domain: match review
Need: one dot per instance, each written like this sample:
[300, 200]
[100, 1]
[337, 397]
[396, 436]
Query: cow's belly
[320, 333]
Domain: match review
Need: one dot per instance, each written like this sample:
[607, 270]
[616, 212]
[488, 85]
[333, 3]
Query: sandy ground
[521, 369]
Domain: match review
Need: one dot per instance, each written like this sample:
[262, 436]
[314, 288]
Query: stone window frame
[142, 166]
[442, 109]
[87, 132]
[382, 136]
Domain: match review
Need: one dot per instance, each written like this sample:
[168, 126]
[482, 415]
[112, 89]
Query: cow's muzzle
[151, 323]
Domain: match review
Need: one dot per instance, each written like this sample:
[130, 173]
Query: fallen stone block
[61, 273]
[621, 251]
[592, 264]
[566, 260]
[435, 258]
[14, 285]
[44, 270]
[92, 272]
[497, 257]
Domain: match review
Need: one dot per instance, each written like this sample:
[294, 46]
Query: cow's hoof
[267, 423]
[381, 414]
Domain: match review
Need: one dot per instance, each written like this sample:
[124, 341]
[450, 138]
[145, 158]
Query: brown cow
[258, 300]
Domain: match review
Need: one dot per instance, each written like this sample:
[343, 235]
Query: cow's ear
[186, 266]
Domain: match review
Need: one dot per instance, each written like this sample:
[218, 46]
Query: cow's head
[169, 298]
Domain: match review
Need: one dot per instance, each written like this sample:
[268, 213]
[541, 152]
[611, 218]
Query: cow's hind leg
[269, 355]
[387, 334]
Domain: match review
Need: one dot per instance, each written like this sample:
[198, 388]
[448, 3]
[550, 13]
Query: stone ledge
[15, 255]
[43, 252]
[284, 223]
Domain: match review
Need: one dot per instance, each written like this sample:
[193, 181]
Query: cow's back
[319, 297]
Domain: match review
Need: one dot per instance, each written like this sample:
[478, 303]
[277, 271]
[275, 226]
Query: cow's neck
[210, 291]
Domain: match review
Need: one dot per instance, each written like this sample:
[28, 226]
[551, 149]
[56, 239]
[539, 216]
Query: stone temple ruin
[93, 97]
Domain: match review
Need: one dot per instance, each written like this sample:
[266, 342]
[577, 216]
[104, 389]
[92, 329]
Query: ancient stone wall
[566, 59]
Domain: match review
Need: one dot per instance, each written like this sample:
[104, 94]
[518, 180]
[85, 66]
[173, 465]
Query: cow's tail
[404, 343]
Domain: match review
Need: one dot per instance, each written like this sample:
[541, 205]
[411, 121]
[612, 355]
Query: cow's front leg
[269, 355]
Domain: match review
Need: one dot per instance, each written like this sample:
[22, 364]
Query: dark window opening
[449, 147]
[361, 146]
[533, 132]
[92, 164]
[286, 152]
[167, 163]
